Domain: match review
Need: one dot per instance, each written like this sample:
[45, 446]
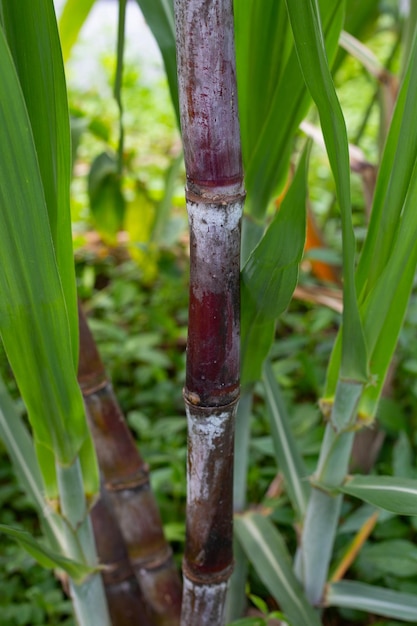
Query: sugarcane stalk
[126, 479]
[124, 598]
[215, 196]
[322, 515]
[88, 598]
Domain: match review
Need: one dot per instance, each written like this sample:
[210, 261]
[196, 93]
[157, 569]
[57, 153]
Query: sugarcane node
[91, 384]
[116, 572]
[199, 195]
[157, 561]
[135, 482]
[193, 401]
[198, 577]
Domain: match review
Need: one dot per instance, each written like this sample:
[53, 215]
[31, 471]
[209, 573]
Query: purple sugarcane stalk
[124, 597]
[215, 196]
[126, 480]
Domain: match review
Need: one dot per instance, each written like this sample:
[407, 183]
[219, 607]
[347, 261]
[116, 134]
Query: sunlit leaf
[32, 35]
[33, 312]
[72, 18]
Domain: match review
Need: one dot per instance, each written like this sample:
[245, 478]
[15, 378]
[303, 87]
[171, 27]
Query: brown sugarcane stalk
[124, 598]
[215, 196]
[126, 479]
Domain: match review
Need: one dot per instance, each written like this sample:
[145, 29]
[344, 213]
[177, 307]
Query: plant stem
[88, 598]
[125, 600]
[215, 195]
[126, 479]
[323, 510]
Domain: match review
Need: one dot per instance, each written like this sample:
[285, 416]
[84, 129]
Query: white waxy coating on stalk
[206, 602]
[215, 230]
[206, 433]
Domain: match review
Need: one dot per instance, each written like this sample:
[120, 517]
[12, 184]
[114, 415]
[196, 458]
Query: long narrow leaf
[289, 459]
[308, 37]
[273, 98]
[387, 265]
[32, 35]
[33, 313]
[46, 557]
[73, 16]
[19, 446]
[159, 15]
[267, 552]
[375, 600]
[270, 275]
[398, 495]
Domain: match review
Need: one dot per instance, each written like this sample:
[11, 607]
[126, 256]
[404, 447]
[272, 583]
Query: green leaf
[396, 557]
[288, 457]
[106, 199]
[73, 16]
[363, 597]
[270, 275]
[46, 557]
[20, 449]
[33, 312]
[273, 98]
[32, 35]
[386, 268]
[268, 554]
[309, 42]
[159, 15]
[398, 495]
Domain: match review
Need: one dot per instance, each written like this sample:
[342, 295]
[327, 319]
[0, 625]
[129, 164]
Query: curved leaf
[33, 312]
[363, 597]
[398, 495]
[268, 554]
[46, 557]
[308, 37]
[270, 275]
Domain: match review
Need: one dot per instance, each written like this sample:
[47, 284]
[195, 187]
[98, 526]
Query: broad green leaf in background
[267, 552]
[398, 495]
[270, 275]
[71, 20]
[107, 204]
[308, 38]
[33, 312]
[393, 557]
[375, 600]
[288, 457]
[46, 557]
[32, 35]
[159, 15]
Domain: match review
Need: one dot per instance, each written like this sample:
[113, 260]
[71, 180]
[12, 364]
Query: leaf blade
[393, 604]
[268, 554]
[395, 494]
